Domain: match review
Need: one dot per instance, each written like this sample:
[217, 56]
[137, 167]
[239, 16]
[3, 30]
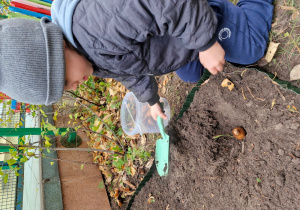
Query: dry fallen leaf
[295, 73]
[107, 176]
[99, 114]
[112, 92]
[143, 140]
[132, 170]
[275, 23]
[279, 30]
[107, 116]
[273, 103]
[116, 195]
[287, 8]
[126, 189]
[151, 199]
[95, 108]
[163, 90]
[295, 14]
[149, 164]
[129, 184]
[132, 143]
[109, 80]
[165, 80]
[129, 193]
[271, 51]
[227, 83]
[119, 202]
[100, 128]
[109, 113]
[97, 123]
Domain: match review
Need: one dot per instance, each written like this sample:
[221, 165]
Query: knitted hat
[32, 61]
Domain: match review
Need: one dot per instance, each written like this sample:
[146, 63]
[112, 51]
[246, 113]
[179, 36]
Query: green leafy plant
[95, 109]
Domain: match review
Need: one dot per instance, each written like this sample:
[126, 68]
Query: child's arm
[145, 89]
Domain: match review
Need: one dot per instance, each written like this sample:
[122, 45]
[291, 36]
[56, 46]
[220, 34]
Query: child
[134, 40]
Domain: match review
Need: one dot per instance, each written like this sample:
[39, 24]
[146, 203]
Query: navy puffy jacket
[134, 40]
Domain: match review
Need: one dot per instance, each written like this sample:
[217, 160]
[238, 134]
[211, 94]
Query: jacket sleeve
[144, 88]
[192, 21]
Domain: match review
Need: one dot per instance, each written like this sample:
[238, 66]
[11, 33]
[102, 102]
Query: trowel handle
[160, 124]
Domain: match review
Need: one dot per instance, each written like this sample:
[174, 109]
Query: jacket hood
[62, 15]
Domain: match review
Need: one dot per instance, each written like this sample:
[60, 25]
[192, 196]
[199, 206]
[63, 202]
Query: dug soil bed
[210, 169]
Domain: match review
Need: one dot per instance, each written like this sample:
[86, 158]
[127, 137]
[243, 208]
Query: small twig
[64, 149]
[290, 154]
[100, 134]
[117, 182]
[243, 72]
[243, 94]
[85, 99]
[298, 147]
[39, 142]
[274, 76]
[205, 82]
[65, 113]
[282, 96]
[243, 147]
[277, 65]
[79, 162]
[103, 123]
[295, 43]
[89, 87]
[59, 159]
[10, 143]
[250, 92]
[254, 96]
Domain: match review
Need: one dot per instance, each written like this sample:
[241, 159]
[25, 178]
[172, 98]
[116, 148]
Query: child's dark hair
[71, 47]
[68, 44]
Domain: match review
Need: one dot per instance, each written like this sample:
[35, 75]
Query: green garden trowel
[162, 150]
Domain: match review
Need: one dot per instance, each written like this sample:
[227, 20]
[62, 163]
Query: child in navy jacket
[132, 41]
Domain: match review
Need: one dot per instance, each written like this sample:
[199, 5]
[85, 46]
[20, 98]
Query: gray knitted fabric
[32, 61]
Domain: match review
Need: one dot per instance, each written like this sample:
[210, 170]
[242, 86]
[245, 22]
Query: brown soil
[260, 172]
[286, 31]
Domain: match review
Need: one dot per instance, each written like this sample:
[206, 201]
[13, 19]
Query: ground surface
[260, 172]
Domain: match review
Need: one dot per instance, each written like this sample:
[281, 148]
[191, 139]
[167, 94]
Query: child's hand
[213, 58]
[157, 111]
